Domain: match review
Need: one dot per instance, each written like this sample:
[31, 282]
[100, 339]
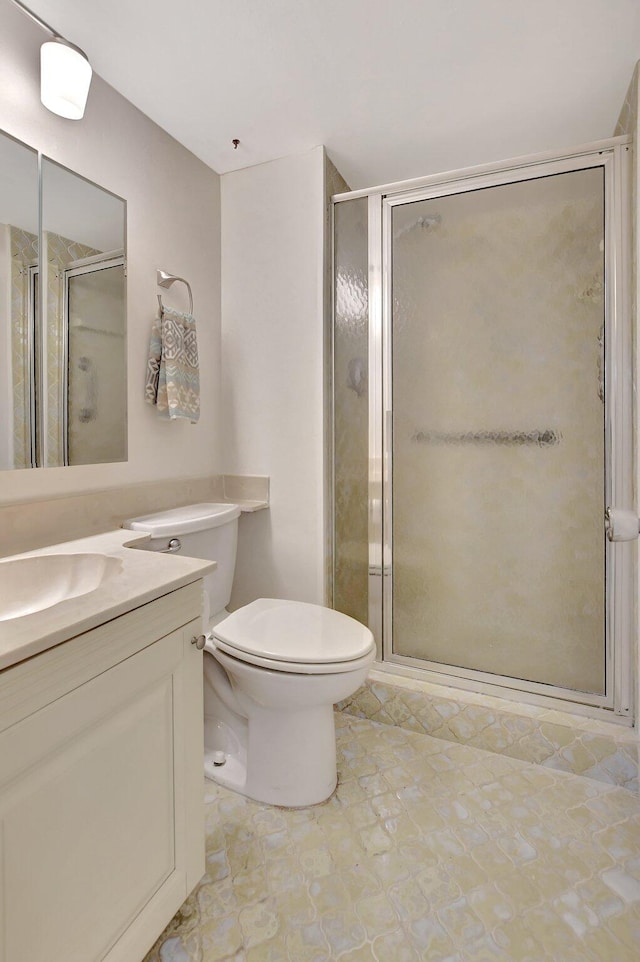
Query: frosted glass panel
[498, 430]
[351, 422]
[97, 367]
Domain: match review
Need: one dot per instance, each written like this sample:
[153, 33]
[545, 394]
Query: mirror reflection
[84, 357]
[18, 293]
[63, 362]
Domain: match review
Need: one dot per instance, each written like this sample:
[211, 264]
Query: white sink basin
[32, 584]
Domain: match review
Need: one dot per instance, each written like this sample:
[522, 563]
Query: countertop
[247, 507]
[143, 577]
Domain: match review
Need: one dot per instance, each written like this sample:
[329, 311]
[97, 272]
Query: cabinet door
[101, 813]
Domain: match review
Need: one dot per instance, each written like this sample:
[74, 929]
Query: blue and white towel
[173, 379]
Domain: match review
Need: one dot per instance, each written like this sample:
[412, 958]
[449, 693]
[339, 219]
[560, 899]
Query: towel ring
[164, 279]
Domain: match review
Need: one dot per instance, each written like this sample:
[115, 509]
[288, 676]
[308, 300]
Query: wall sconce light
[65, 78]
[65, 72]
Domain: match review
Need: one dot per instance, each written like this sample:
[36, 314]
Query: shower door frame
[105, 261]
[620, 603]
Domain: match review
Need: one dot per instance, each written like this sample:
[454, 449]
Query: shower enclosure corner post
[329, 408]
[622, 490]
[377, 486]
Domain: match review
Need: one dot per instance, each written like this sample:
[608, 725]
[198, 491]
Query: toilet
[272, 670]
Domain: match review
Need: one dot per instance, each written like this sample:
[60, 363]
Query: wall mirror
[63, 326]
[18, 265]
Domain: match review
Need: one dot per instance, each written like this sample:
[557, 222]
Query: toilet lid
[190, 517]
[294, 632]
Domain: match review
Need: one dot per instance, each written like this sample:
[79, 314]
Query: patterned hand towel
[173, 381]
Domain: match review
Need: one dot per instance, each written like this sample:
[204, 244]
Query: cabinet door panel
[88, 799]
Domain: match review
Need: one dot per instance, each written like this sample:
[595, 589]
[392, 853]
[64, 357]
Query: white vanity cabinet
[101, 787]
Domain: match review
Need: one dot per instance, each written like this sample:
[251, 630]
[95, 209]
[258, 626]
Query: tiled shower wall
[61, 251]
[24, 254]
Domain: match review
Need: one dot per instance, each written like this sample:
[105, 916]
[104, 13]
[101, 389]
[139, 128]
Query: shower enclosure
[81, 417]
[482, 424]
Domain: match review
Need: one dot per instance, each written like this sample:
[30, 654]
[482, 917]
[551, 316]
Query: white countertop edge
[145, 576]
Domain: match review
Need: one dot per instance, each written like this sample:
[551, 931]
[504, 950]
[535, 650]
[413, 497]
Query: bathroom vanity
[101, 806]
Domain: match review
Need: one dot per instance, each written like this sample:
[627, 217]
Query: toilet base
[274, 730]
[233, 774]
[225, 735]
[291, 759]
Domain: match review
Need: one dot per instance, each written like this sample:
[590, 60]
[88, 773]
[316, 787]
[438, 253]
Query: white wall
[173, 219]
[6, 385]
[272, 339]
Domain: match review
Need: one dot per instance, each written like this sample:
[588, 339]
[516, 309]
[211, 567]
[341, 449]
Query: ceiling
[393, 88]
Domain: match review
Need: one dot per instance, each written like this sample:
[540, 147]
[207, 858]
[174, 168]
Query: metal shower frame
[613, 156]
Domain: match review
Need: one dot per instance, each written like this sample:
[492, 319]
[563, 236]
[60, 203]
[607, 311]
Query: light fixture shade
[65, 77]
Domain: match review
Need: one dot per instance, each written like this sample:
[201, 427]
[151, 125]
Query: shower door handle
[621, 525]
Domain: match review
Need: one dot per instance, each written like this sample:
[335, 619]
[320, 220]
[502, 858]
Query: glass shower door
[96, 414]
[496, 384]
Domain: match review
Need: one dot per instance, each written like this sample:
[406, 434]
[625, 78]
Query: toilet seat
[291, 667]
[294, 637]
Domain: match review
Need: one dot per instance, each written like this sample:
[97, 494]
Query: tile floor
[566, 742]
[428, 850]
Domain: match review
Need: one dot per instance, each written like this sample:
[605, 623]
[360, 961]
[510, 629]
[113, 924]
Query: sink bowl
[33, 584]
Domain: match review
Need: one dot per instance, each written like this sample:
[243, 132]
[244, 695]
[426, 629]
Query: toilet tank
[208, 531]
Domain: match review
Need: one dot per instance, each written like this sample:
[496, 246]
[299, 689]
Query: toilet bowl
[272, 670]
[284, 665]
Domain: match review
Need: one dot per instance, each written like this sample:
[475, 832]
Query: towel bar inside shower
[542, 439]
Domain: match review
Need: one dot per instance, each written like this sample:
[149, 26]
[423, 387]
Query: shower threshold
[561, 738]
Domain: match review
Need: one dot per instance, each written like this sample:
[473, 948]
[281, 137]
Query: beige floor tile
[284, 875]
[216, 899]
[377, 914]
[250, 886]
[396, 946]
[431, 939]
[259, 922]
[600, 945]
[343, 931]
[375, 840]
[518, 944]
[220, 937]
[307, 943]
[492, 906]
[273, 951]
[329, 895]
[316, 862]
[294, 903]
[408, 900]
[465, 872]
[461, 922]
[522, 892]
[360, 880]
[429, 851]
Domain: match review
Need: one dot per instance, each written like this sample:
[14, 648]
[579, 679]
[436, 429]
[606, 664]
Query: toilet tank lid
[294, 631]
[190, 517]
